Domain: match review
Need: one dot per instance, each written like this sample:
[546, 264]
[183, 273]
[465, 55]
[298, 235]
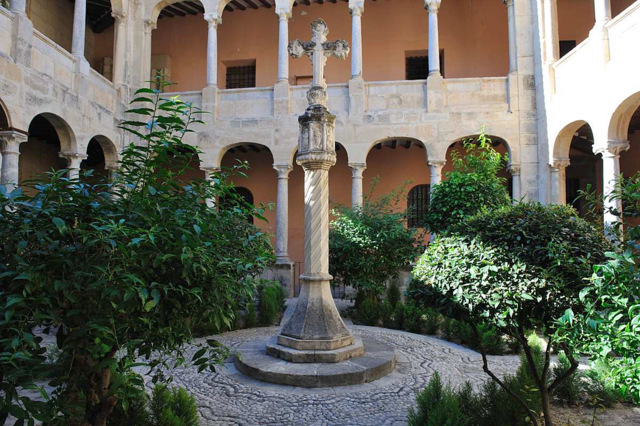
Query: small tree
[472, 185]
[516, 268]
[368, 246]
[119, 272]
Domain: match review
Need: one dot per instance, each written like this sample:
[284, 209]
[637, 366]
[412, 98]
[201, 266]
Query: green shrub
[398, 314]
[437, 405]
[136, 413]
[431, 321]
[251, 314]
[492, 340]
[173, 407]
[387, 314]
[472, 186]
[412, 320]
[600, 386]
[368, 312]
[393, 294]
[369, 245]
[271, 302]
[570, 390]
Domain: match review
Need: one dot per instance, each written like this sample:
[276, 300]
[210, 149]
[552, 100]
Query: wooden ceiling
[394, 143]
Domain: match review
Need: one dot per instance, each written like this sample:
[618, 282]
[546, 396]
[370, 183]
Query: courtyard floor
[227, 397]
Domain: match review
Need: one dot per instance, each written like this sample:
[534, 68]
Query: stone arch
[496, 140]
[5, 118]
[621, 118]
[68, 141]
[239, 146]
[156, 7]
[394, 142]
[562, 141]
[109, 149]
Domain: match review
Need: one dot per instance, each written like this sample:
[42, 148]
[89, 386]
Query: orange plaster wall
[630, 159]
[102, 47]
[473, 35]
[576, 17]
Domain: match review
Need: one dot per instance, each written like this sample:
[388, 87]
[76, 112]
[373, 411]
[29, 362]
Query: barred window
[417, 67]
[417, 206]
[241, 76]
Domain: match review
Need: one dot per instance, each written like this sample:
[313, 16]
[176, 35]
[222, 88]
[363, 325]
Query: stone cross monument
[316, 323]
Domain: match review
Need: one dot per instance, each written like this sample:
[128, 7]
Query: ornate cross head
[318, 50]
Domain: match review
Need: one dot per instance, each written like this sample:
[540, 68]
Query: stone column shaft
[79, 27]
[357, 169]
[10, 148]
[558, 181]
[19, 6]
[119, 47]
[212, 50]
[514, 169]
[513, 50]
[282, 214]
[602, 9]
[435, 169]
[149, 26]
[552, 44]
[434, 42]
[356, 39]
[283, 43]
[610, 177]
[209, 173]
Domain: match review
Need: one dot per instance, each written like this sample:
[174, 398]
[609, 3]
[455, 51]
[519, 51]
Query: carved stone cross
[318, 50]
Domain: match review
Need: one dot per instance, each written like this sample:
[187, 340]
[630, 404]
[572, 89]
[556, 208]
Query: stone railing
[624, 32]
[52, 60]
[246, 103]
[6, 24]
[390, 95]
[476, 94]
[193, 97]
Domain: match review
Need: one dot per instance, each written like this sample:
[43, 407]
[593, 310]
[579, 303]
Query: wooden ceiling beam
[196, 6]
[251, 4]
[175, 11]
[228, 8]
[265, 3]
[238, 5]
[185, 8]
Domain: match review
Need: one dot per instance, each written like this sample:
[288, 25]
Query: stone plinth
[378, 361]
[339, 354]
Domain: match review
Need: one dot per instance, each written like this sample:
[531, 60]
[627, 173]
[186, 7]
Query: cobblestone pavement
[230, 398]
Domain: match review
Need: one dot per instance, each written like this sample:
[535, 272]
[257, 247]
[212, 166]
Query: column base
[316, 323]
[284, 272]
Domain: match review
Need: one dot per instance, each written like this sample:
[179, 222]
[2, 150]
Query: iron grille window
[417, 67]
[242, 76]
[417, 206]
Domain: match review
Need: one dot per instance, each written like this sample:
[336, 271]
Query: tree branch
[569, 372]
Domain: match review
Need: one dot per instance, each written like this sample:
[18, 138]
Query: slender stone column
[18, 6]
[513, 50]
[558, 181]
[212, 49]
[435, 167]
[514, 169]
[74, 160]
[79, 26]
[10, 148]
[357, 9]
[149, 26]
[283, 42]
[282, 214]
[434, 43]
[602, 9]
[356, 183]
[610, 176]
[119, 47]
[552, 44]
[209, 173]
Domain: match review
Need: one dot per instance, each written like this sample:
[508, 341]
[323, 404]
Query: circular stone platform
[377, 361]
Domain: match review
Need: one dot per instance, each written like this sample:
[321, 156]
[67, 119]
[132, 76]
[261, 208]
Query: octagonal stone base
[309, 356]
[377, 361]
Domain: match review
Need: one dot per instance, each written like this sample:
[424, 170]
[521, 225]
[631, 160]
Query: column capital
[150, 25]
[357, 169]
[283, 170]
[73, 158]
[613, 149]
[119, 15]
[514, 169]
[560, 163]
[209, 170]
[508, 3]
[283, 15]
[436, 163]
[356, 8]
[432, 5]
[212, 19]
[10, 141]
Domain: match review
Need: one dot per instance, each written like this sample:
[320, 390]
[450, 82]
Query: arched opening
[41, 153]
[5, 122]
[630, 159]
[179, 45]
[259, 181]
[102, 157]
[185, 167]
[584, 170]
[499, 144]
[245, 195]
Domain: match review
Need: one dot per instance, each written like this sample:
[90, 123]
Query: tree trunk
[546, 407]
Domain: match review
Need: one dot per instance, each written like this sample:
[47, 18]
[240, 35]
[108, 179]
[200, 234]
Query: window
[417, 205]
[240, 76]
[417, 64]
[566, 46]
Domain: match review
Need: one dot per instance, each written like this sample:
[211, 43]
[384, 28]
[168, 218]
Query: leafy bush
[431, 321]
[600, 387]
[472, 186]
[412, 320]
[271, 302]
[515, 268]
[368, 246]
[438, 405]
[570, 389]
[119, 272]
[368, 312]
[387, 314]
[173, 407]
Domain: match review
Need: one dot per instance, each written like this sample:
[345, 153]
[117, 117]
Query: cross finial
[318, 50]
